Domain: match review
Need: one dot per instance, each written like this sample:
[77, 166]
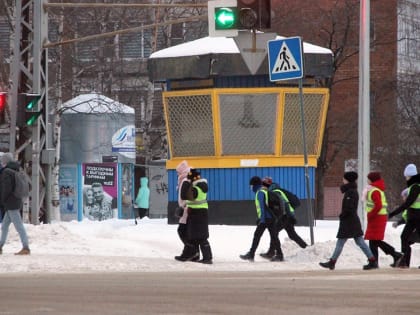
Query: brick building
[335, 24]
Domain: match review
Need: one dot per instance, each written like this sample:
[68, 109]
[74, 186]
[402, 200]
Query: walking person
[412, 206]
[350, 226]
[286, 222]
[377, 217]
[414, 238]
[194, 192]
[142, 199]
[11, 204]
[264, 221]
[190, 252]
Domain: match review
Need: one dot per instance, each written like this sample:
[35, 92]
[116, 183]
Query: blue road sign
[285, 59]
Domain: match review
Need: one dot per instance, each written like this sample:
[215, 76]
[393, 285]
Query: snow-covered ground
[119, 245]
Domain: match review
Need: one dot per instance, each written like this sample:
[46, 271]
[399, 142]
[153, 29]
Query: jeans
[359, 241]
[13, 216]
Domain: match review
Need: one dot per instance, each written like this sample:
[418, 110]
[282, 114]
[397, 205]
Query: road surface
[348, 292]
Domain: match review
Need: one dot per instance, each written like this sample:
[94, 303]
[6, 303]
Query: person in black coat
[11, 204]
[194, 192]
[350, 226]
[412, 205]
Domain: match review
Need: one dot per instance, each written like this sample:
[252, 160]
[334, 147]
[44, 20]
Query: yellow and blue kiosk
[232, 124]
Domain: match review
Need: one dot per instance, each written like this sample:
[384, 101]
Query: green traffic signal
[32, 102]
[32, 119]
[225, 18]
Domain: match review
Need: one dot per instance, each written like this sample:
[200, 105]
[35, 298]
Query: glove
[257, 222]
[394, 225]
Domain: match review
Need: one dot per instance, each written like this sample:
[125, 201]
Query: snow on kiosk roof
[220, 56]
[219, 45]
[95, 103]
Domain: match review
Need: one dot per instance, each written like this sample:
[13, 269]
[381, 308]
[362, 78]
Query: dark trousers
[189, 249]
[289, 227]
[386, 248]
[274, 237]
[407, 238]
[140, 212]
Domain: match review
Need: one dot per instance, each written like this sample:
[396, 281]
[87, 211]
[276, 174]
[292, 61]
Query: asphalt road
[356, 292]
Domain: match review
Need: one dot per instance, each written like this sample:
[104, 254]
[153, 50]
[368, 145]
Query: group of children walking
[377, 217]
[193, 223]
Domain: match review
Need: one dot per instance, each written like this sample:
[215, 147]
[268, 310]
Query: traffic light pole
[30, 75]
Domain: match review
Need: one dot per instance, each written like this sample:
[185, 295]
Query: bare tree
[334, 24]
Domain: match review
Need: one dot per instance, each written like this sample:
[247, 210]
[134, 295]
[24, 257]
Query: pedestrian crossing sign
[285, 59]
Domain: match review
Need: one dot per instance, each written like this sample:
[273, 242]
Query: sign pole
[305, 157]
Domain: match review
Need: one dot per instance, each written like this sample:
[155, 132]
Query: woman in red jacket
[377, 216]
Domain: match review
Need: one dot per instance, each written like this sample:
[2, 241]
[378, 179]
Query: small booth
[226, 118]
[97, 156]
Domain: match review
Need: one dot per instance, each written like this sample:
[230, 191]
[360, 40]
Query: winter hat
[194, 174]
[410, 170]
[183, 168]
[374, 176]
[255, 181]
[267, 181]
[350, 176]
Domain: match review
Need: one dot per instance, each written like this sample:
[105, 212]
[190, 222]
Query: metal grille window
[247, 123]
[292, 131]
[190, 120]
[244, 127]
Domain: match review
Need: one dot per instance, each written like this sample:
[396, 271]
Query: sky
[119, 245]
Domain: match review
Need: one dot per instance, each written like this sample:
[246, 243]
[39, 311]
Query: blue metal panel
[242, 81]
[233, 183]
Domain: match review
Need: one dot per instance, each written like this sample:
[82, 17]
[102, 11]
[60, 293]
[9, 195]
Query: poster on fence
[68, 192]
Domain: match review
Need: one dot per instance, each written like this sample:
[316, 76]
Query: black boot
[207, 255]
[248, 256]
[330, 264]
[397, 259]
[189, 253]
[277, 258]
[373, 264]
[268, 255]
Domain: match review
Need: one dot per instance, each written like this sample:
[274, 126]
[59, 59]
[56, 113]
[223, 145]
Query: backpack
[293, 199]
[21, 188]
[275, 204]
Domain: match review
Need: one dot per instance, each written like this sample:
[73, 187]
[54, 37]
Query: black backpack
[293, 199]
[275, 203]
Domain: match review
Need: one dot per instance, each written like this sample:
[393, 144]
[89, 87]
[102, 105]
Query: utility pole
[364, 100]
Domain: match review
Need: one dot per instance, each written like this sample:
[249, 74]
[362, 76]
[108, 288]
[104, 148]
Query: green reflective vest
[370, 204]
[416, 203]
[200, 202]
[257, 202]
[284, 196]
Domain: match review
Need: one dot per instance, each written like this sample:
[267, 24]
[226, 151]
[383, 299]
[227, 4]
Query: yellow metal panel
[244, 162]
[217, 127]
[219, 161]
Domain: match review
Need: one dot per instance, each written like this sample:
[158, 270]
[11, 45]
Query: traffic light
[29, 109]
[222, 15]
[225, 18]
[3, 100]
[228, 16]
[254, 14]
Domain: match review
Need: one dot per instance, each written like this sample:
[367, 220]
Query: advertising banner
[68, 193]
[100, 190]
